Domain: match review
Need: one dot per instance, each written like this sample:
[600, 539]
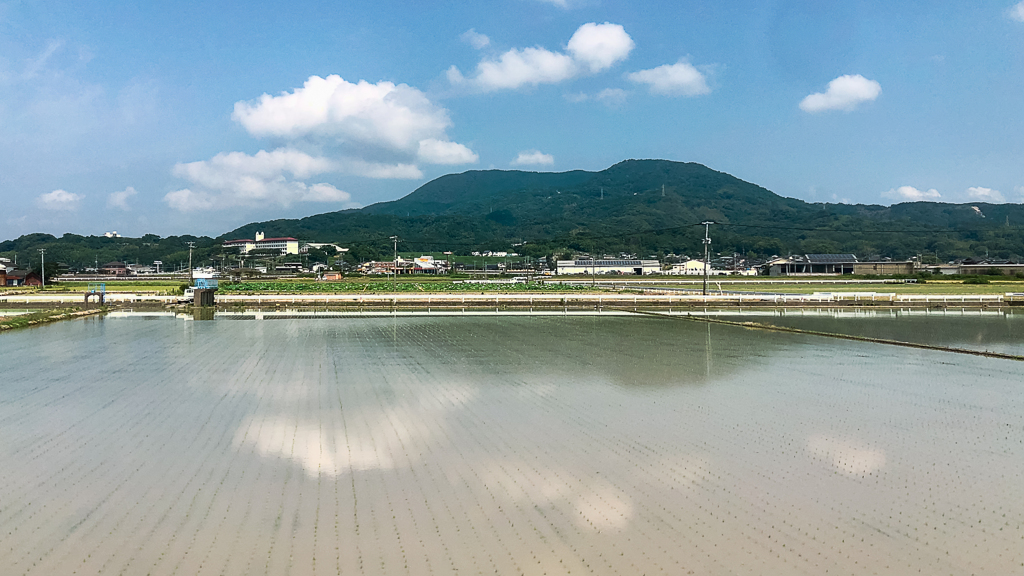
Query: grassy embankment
[44, 317]
[140, 286]
[949, 287]
[378, 285]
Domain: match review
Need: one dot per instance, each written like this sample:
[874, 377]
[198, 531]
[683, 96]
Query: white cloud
[1016, 12]
[679, 79]
[60, 200]
[559, 3]
[985, 194]
[592, 48]
[186, 200]
[533, 158]
[911, 194]
[529, 66]
[600, 46]
[380, 170]
[378, 130]
[120, 199]
[475, 39]
[382, 115]
[238, 179]
[611, 97]
[843, 93]
[434, 151]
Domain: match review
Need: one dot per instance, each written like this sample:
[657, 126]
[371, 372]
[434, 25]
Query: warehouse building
[608, 266]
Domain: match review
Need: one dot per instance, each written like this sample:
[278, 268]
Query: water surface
[505, 444]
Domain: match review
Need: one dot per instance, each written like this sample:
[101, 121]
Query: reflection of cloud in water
[847, 456]
[602, 506]
[374, 438]
[322, 452]
[596, 504]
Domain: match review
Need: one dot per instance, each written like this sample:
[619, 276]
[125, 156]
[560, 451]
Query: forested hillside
[645, 207]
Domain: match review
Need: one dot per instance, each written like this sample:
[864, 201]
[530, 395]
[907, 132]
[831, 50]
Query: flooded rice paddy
[501, 445]
[973, 329]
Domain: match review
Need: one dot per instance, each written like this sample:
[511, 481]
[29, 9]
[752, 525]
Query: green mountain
[654, 206]
[643, 207]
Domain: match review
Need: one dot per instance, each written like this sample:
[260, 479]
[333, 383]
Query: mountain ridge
[634, 206]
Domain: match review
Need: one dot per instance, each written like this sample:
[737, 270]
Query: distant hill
[651, 206]
[643, 207]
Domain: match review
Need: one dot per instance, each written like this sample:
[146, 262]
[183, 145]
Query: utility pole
[394, 269]
[191, 281]
[42, 254]
[707, 246]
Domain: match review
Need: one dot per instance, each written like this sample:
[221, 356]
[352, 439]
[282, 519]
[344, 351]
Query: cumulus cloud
[475, 39]
[679, 79]
[1016, 12]
[120, 199]
[592, 48]
[985, 195]
[59, 200]
[382, 114]
[238, 179]
[911, 194]
[533, 158]
[844, 93]
[517, 68]
[385, 125]
[186, 200]
[433, 151]
[600, 46]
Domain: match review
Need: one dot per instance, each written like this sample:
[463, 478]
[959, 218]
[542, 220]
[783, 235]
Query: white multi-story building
[284, 245]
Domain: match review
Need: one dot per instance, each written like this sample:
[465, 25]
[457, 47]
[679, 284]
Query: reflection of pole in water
[707, 349]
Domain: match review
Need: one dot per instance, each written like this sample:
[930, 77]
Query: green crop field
[387, 287]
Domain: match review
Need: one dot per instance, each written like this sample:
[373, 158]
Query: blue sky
[197, 117]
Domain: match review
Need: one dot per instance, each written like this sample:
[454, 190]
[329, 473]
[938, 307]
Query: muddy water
[502, 445]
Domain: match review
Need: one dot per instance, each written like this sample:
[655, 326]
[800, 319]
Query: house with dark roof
[22, 278]
[114, 268]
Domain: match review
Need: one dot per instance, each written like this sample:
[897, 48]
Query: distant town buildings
[285, 245]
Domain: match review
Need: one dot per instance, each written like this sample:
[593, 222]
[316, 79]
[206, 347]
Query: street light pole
[707, 246]
[191, 281]
[42, 255]
[394, 268]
